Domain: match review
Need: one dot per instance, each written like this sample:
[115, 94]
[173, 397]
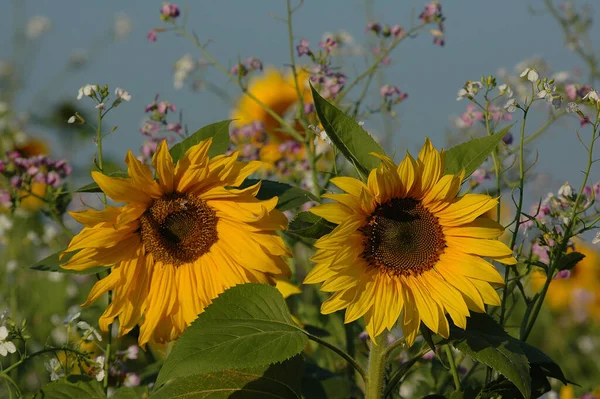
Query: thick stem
[375, 373]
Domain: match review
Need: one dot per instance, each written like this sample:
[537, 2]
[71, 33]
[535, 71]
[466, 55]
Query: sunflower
[276, 91]
[179, 241]
[406, 243]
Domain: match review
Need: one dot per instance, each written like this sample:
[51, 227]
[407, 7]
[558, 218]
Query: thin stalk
[453, 368]
[350, 348]
[375, 373]
[341, 353]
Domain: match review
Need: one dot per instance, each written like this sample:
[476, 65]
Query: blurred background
[50, 49]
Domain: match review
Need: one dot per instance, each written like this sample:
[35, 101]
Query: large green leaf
[63, 389]
[220, 140]
[347, 135]
[309, 225]
[471, 154]
[569, 261]
[93, 187]
[290, 197]
[485, 341]
[278, 381]
[541, 362]
[247, 326]
[52, 264]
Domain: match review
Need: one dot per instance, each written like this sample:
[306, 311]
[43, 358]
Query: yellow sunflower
[179, 241]
[278, 92]
[406, 243]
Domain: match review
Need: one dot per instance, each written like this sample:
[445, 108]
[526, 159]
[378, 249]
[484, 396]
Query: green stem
[453, 368]
[35, 354]
[350, 348]
[376, 371]
[340, 352]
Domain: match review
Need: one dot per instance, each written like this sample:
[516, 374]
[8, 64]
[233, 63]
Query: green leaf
[52, 264]
[220, 140]
[568, 261]
[125, 393]
[278, 381]
[93, 187]
[247, 326]
[485, 341]
[471, 154]
[63, 389]
[309, 225]
[546, 366]
[290, 197]
[347, 135]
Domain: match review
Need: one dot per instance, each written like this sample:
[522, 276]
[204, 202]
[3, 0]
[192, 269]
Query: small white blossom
[100, 106]
[122, 25]
[511, 105]
[505, 89]
[89, 332]
[131, 380]
[121, 94]
[547, 92]
[11, 266]
[32, 237]
[54, 368]
[87, 90]
[183, 67]
[592, 95]
[99, 368]
[37, 26]
[5, 224]
[572, 107]
[596, 240]
[132, 352]
[71, 318]
[71, 119]
[6, 347]
[565, 191]
[470, 90]
[50, 233]
[531, 74]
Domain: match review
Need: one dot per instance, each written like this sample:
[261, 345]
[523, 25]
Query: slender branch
[453, 368]
[340, 352]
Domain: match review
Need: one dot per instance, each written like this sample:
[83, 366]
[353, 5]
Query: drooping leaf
[63, 389]
[471, 154]
[278, 381]
[347, 135]
[219, 132]
[503, 388]
[52, 264]
[309, 225]
[568, 261]
[539, 360]
[247, 326]
[485, 341]
[93, 187]
[290, 197]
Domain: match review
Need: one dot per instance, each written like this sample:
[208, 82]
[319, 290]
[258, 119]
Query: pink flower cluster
[396, 31]
[157, 127]
[433, 13]
[250, 64]
[331, 82]
[392, 94]
[474, 114]
[169, 10]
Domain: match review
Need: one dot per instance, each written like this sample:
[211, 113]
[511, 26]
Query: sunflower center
[178, 228]
[403, 238]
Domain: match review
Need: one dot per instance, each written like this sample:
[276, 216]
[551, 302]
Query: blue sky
[481, 36]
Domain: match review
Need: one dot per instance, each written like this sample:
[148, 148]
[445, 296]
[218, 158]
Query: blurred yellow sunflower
[580, 290]
[178, 242]
[276, 91]
[405, 243]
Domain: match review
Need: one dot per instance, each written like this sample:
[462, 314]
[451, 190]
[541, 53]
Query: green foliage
[290, 197]
[278, 381]
[524, 366]
[63, 389]
[52, 264]
[309, 225]
[470, 154]
[219, 132]
[347, 135]
[568, 261]
[247, 326]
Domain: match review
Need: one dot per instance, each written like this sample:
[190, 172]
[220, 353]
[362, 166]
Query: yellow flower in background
[581, 290]
[32, 147]
[278, 92]
[405, 243]
[178, 242]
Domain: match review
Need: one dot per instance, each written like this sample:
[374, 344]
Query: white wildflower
[87, 90]
[89, 332]
[99, 368]
[121, 25]
[531, 74]
[54, 368]
[11, 266]
[469, 90]
[183, 67]
[71, 119]
[511, 105]
[37, 26]
[123, 95]
[32, 237]
[5, 224]
[49, 234]
[592, 95]
[6, 347]
[572, 107]
[565, 191]
[71, 317]
[505, 89]
[596, 240]
[100, 106]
